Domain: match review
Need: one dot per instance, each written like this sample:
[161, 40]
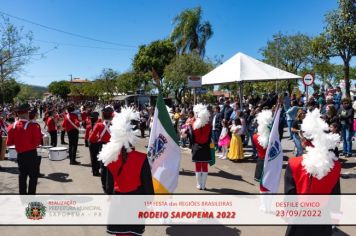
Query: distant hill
[28, 91]
[38, 89]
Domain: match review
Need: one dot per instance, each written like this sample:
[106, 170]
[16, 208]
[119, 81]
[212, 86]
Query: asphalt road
[225, 177]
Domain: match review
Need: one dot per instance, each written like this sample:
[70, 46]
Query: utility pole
[277, 59]
[71, 77]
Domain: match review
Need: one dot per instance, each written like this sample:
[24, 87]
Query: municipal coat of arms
[35, 211]
[155, 150]
[274, 151]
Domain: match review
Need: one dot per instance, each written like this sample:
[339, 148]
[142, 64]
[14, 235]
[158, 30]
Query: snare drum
[12, 153]
[58, 153]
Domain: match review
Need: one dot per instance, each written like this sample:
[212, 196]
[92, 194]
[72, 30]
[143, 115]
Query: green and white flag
[163, 151]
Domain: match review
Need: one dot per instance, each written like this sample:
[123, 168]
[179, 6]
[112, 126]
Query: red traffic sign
[194, 81]
[308, 79]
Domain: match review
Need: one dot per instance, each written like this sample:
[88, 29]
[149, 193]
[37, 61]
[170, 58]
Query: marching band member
[128, 170]
[99, 136]
[71, 126]
[60, 119]
[315, 172]
[93, 148]
[33, 115]
[52, 128]
[201, 138]
[26, 136]
[260, 139]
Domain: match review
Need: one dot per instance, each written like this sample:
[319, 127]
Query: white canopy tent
[242, 68]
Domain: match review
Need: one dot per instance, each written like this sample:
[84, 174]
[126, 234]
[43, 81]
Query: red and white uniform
[101, 132]
[132, 177]
[306, 184]
[298, 181]
[88, 130]
[71, 121]
[25, 135]
[51, 124]
[84, 116]
[261, 151]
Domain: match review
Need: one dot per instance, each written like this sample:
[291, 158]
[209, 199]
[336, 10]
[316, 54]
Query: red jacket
[67, 125]
[87, 120]
[97, 135]
[87, 132]
[202, 134]
[261, 152]
[24, 139]
[130, 177]
[84, 116]
[51, 124]
[310, 185]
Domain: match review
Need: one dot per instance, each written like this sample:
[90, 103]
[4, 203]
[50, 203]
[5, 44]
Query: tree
[339, 37]
[326, 72]
[189, 33]
[107, 82]
[15, 51]
[60, 88]
[10, 89]
[128, 82]
[155, 56]
[91, 90]
[291, 53]
[177, 72]
[26, 93]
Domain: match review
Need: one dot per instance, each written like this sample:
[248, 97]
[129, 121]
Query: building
[75, 94]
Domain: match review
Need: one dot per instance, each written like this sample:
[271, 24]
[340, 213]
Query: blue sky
[239, 25]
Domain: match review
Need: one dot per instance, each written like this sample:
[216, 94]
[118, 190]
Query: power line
[77, 45]
[66, 32]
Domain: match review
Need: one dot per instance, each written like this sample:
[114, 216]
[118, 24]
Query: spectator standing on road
[297, 133]
[346, 115]
[216, 126]
[286, 102]
[252, 126]
[291, 115]
[227, 111]
[236, 151]
[41, 110]
[337, 97]
[224, 140]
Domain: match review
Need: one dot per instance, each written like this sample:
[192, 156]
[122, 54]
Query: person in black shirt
[216, 126]
[227, 111]
[297, 137]
[346, 115]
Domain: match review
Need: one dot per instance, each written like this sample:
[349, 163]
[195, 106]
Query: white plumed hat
[318, 160]
[122, 135]
[201, 116]
[264, 121]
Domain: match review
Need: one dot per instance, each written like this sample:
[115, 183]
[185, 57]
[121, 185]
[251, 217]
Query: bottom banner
[177, 209]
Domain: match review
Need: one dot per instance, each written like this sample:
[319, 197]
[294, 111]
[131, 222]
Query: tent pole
[240, 94]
